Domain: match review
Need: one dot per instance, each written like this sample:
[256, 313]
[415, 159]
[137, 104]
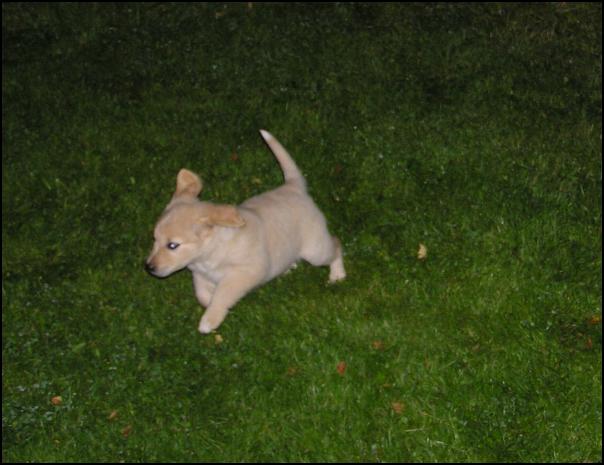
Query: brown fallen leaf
[126, 431]
[377, 345]
[398, 407]
[113, 415]
[56, 400]
[341, 368]
[422, 252]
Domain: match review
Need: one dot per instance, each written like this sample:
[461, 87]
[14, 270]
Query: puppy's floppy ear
[188, 184]
[225, 215]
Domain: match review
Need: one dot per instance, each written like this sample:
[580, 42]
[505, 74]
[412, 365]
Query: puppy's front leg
[228, 291]
[203, 289]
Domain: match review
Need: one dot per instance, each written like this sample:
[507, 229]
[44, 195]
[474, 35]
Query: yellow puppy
[232, 249]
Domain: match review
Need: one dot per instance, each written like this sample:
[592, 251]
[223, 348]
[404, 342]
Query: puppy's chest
[208, 270]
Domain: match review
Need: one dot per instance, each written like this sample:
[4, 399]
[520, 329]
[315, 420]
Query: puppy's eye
[173, 245]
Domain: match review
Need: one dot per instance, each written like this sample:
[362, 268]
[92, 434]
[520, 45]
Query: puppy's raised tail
[291, 172]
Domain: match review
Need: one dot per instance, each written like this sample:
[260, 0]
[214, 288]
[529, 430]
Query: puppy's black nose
[149, 267]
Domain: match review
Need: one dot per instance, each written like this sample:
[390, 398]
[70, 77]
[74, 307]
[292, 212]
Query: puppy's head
[187, 226]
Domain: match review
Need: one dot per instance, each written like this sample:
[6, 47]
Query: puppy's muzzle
[153, 270]
[150, 268]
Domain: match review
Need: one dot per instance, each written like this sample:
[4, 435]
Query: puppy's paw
[336, 274]
[209, 323]
[205, 327]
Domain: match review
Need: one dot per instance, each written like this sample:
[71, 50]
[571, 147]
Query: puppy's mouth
[155, 271]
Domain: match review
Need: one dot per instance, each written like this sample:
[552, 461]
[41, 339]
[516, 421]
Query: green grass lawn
[475, 130]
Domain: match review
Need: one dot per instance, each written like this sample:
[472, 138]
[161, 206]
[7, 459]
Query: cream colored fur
[230, 249]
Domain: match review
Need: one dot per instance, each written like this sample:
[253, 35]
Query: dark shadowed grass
[474, 130]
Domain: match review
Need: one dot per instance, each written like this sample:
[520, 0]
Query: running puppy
[232, 249]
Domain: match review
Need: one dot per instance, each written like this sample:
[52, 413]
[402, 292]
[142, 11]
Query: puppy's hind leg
[336, 267]
[326, 250]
